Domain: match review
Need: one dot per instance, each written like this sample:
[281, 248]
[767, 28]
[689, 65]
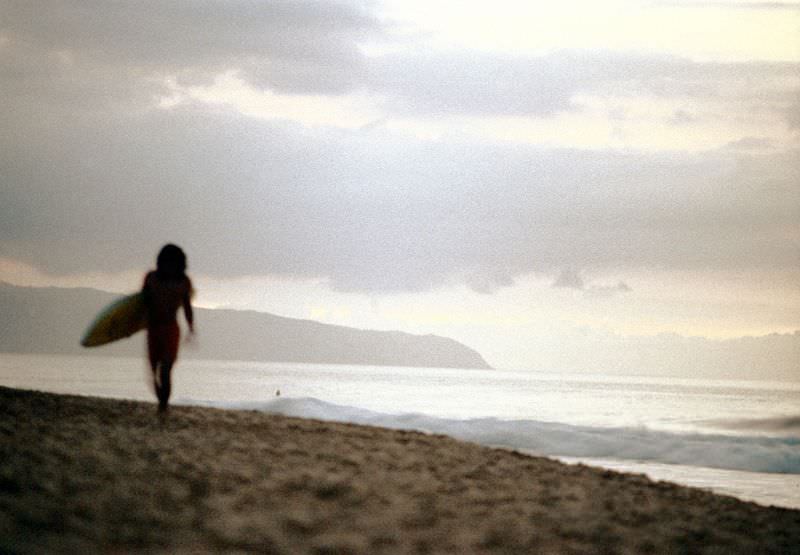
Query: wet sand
[81, 474]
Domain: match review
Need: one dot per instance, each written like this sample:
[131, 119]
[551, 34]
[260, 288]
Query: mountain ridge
[49, 320]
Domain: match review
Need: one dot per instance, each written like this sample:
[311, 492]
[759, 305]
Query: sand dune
[80, 474]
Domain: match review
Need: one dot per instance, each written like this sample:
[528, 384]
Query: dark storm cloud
[373, 212]
[305, 47]
[95, 178]
[85, 55]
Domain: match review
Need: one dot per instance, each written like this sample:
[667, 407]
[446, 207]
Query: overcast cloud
[96, 177]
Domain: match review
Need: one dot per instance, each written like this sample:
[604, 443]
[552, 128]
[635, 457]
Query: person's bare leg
[156, 368]
[165, 386]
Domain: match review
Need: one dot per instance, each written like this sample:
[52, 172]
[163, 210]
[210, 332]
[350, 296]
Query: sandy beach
[100, 475]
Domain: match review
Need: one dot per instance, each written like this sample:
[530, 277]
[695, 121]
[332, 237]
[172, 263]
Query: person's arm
[146, 289]
[187, 306]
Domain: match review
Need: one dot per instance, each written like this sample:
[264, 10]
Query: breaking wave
[748, 453]
[783, 425]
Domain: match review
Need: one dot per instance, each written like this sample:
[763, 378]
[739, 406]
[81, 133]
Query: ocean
[739, 438]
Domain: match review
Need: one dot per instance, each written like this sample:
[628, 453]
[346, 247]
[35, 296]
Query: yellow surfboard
[119, 320]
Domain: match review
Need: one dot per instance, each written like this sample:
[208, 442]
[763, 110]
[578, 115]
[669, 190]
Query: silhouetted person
[165, 290]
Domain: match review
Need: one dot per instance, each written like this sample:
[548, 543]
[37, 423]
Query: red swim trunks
[162, 343]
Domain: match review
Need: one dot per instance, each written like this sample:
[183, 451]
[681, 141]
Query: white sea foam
[747, 453]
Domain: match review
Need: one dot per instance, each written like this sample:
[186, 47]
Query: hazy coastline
[44, 322]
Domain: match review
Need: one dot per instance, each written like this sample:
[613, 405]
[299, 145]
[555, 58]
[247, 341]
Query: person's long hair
[171, 263]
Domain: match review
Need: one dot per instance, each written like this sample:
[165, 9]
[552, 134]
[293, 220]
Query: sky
[529, 178]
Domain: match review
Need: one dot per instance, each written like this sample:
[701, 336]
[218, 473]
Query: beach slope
[80, 474]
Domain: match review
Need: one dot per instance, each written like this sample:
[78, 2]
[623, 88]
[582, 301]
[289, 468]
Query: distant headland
[51, 320]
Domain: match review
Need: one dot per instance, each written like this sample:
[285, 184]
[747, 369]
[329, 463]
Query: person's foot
[162, 418]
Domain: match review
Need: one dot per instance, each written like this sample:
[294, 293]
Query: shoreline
[96, 474]
[768, 489]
